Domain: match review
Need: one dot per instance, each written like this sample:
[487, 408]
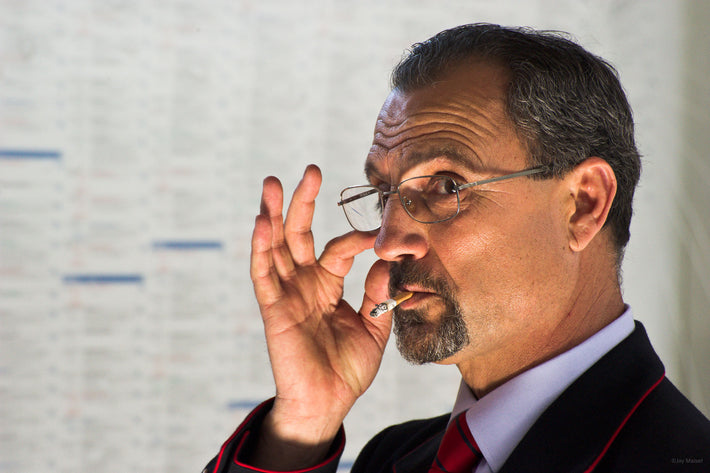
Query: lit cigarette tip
[389, 304]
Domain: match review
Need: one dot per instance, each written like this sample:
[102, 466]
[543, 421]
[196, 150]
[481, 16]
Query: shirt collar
[500, 419]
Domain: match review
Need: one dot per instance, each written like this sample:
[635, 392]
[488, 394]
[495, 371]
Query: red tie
[458, 452]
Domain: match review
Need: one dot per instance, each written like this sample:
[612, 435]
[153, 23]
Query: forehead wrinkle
[458, 137]
[478, 126]
[457, 115]
[448, 151]
[472, 123]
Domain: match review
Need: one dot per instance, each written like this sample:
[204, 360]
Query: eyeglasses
[427, 199]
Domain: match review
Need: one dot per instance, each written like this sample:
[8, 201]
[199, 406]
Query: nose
[400, 236]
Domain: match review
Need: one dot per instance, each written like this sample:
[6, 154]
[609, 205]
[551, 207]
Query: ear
[592, 185]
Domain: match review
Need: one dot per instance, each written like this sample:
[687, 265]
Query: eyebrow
[450, 153]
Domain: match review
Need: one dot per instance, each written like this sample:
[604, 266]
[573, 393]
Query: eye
[441, 185]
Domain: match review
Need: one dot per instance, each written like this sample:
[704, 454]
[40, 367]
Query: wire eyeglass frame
[369, 190]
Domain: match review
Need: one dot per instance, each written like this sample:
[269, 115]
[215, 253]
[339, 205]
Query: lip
[414, 289]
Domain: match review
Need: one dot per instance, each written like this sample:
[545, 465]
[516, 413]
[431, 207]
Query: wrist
[287, 444]
[293, 422]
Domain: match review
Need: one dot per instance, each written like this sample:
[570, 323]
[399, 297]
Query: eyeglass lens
[427, 199]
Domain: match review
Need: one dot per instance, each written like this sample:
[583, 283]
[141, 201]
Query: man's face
[486, 281]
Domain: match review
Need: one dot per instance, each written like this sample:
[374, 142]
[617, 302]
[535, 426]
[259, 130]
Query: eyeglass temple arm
[526, 172]
[358, 196]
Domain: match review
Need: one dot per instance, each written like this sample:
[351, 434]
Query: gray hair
[567, 104]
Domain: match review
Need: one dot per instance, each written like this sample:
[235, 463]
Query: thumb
[376, 291]
[376, 286]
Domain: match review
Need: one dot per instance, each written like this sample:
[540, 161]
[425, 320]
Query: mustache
[412, 272]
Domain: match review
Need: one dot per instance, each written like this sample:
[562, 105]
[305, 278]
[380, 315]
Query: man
[501, 177]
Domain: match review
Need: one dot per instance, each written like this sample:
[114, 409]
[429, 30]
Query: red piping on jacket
[224, 445]
[621, 426]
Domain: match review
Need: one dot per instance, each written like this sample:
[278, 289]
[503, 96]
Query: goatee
[423, 337]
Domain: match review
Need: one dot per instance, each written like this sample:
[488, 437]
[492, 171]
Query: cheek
[470, 257]
[503, 260]
[538, 243]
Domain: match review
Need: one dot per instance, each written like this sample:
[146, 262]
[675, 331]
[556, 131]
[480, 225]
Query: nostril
[400, 237]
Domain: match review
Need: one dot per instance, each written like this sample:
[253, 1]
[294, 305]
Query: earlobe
[593, 187]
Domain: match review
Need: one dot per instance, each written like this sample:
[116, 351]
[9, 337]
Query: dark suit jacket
[622, 415]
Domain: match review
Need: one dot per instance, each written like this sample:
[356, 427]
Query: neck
[595, 303]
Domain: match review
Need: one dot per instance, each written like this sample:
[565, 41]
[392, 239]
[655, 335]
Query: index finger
[339, 253]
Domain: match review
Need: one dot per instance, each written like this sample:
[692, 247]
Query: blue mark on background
[29, 154]
[345, 465]
[247, 404]
[103, 279]
[188, 245]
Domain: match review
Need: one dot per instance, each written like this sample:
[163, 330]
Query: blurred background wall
[134, 136]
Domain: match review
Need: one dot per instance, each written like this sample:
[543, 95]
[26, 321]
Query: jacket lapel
[575, 431]
[420, 459]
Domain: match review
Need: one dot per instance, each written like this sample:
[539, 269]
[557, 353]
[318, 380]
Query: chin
[421, 343]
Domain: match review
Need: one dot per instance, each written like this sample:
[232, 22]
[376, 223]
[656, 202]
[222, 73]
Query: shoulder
[665, 431]
[621, 415]
[397, 441]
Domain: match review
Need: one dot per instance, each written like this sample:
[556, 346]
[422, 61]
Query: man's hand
[324, 355]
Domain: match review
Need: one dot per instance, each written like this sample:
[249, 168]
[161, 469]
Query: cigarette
[389, 304]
